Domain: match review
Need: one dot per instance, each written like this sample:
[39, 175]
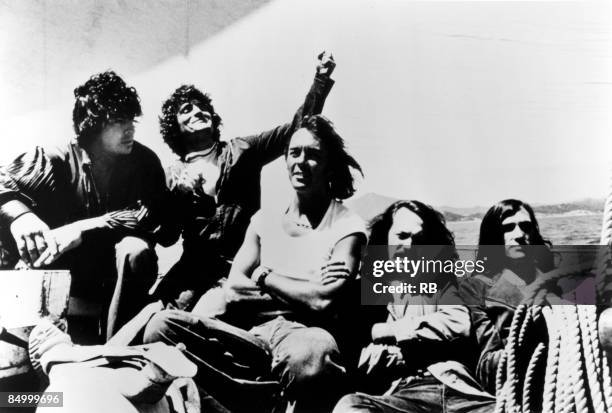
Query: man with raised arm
[217, 183]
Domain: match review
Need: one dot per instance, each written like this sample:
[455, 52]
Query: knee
[351, 403]
[163, 325]
[311, 355]
[137, 252]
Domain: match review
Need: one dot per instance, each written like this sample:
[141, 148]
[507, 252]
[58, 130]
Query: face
[192, 118]
[306, 162]
[117, 138]
[518, 231]
[406, 225]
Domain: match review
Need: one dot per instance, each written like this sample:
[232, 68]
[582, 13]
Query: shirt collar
[193, 155]
[293, 215]
[80, 153]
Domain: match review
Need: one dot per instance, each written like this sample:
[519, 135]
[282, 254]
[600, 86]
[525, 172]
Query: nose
[518, 235]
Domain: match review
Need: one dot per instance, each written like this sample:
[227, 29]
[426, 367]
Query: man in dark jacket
[95, 205]
[216, 184]
[516, 254]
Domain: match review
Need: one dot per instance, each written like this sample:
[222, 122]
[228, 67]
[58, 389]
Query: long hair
[492, 233]
[103, 99]
[340, 162]
[434, 225]
[434, 232]
[168, 124]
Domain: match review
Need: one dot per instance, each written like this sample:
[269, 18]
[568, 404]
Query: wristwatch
[260, 275]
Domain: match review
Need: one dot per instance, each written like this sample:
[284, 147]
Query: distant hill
[372, 204]
[587, 205]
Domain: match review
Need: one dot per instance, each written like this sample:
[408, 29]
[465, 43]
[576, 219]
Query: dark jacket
[57, 185]
[492, 302]
[216, 227]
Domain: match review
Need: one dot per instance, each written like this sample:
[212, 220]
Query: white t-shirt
[302, 255]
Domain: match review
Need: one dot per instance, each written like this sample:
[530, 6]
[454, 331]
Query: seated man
[512, 268]
[216, 184]
[424, 343]
[93, 206]
[289, 274]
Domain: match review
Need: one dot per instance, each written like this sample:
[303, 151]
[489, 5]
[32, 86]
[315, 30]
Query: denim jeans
[416, 395]
[304, 359]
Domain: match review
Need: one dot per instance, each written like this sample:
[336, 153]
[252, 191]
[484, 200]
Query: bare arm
[319, 295]
[239, 287]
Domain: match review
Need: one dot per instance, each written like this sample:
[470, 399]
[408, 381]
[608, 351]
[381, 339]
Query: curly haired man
[216, 183]
[94, 205]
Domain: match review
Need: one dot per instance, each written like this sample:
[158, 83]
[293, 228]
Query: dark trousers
[304, 359]
[116, 276]
[416, 395]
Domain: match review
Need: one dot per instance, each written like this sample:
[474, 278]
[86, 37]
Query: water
[560, 230]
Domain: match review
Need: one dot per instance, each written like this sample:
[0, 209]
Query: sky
[452, 103]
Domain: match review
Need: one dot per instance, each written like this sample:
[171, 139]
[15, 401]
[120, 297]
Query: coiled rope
[558, 366]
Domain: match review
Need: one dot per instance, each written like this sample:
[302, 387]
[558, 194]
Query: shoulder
[259, 221]
[269, 215]
[346, 221]
[342, 213]
[61, 152]
[42, 157]
[141, 153]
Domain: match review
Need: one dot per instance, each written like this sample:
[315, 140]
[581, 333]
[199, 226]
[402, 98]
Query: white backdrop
[455, 103]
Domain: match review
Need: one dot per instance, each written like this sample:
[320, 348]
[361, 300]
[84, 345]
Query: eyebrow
[310, 148]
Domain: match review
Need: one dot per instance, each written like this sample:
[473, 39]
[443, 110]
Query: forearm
[269, 145]
[445, 325]
[241, 291]
[450, 322]
[124, 222]
[315, 98]
[91, 224]
[308, 294]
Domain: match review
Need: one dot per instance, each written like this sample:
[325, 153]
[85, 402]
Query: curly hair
[340, 163]
[492, 234]
[168, 124]
[103, 99]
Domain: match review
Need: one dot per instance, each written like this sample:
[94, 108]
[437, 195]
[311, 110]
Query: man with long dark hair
[285, 287]
[505, 229]
[516, 254]
[216, 184]
[420, 353]
[94, 205]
